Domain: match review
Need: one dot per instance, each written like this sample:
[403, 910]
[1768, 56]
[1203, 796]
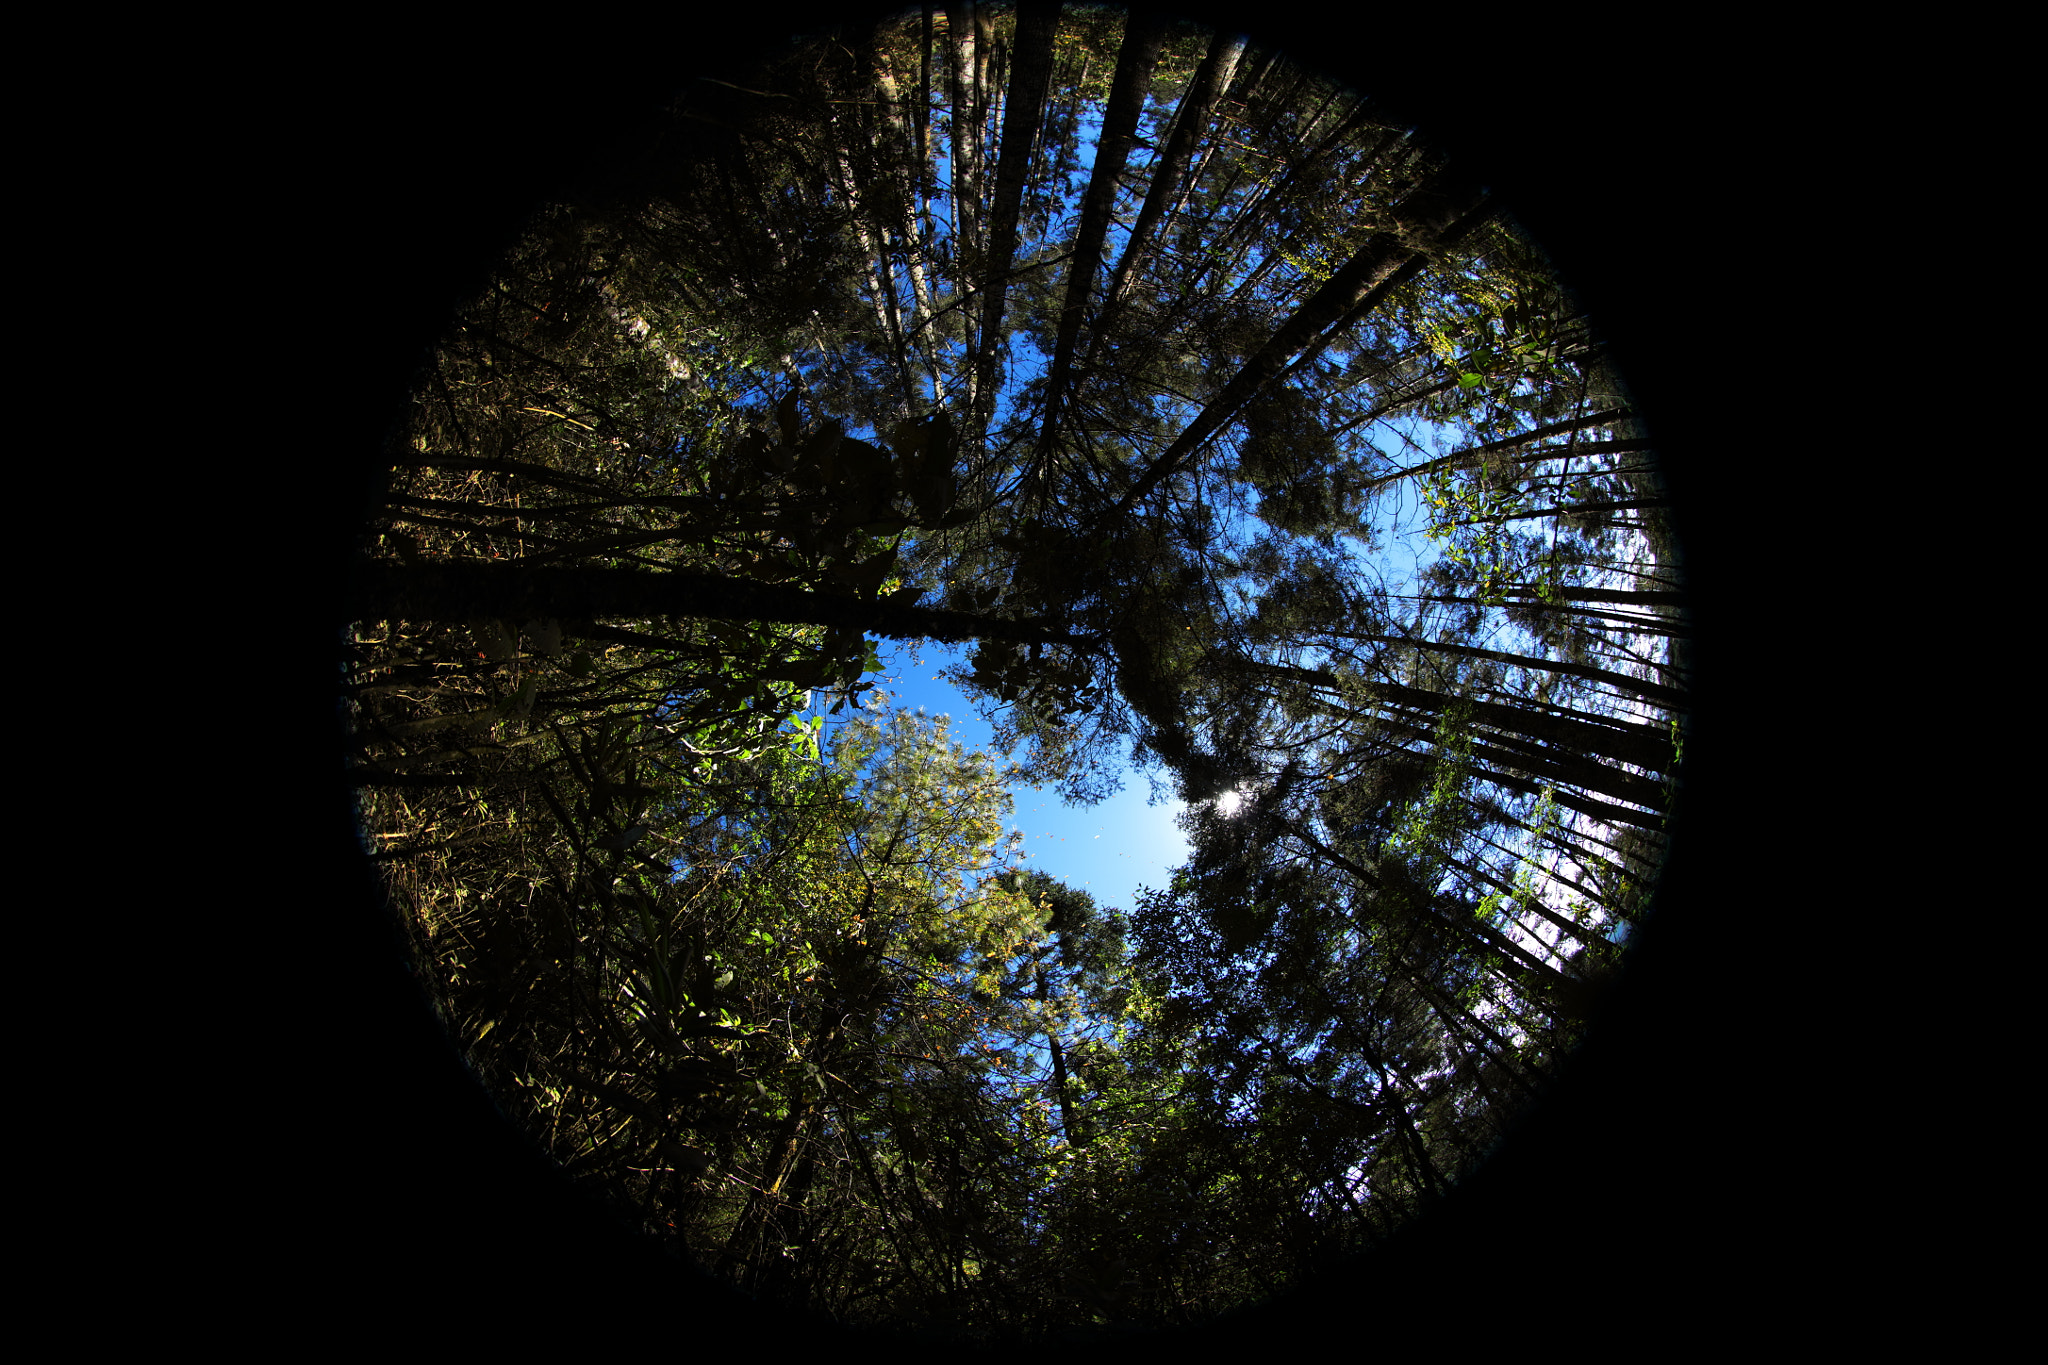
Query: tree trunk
[1616, 595]
[1190, 119]
[468, 592]
[1023, 116]
[1481, 936]
[1466, 459]
[1139, 54]
[1621, 682]
[1069, 1124]
[964, 73]
[782, 1151]
[1356, 288]
[1646, 746]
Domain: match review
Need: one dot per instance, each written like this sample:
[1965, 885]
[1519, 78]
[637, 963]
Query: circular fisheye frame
[1211, 430]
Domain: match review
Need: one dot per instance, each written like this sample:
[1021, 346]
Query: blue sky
[1110, 849]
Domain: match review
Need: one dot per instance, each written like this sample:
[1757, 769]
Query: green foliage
[1468, 519]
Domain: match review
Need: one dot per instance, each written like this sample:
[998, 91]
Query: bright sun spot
[1228, 803]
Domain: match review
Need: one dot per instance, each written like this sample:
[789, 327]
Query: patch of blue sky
[1111, 850]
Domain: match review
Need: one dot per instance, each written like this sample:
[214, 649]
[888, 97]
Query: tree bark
[1023, 116]
[1622, 682]
[468, 592]
[1355, 290]
[1632, 742]
[1581, 509]
[1465, 459]
[1135, 61]
[1189, 122]
[1529, 601]
[964, 73]
[1477, 935]
[1616, 595]
[1069, 1123]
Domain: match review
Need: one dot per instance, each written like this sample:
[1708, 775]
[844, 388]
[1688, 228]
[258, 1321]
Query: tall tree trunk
[1477, 455]
[1430, 227]
[913, 232]
[1353, 291]
[1509, 759]
[1303, 175]
[1135, 60]
[1528, 904]
[964, 75]
[1484, 937]
[470, 592]
[782, 1150]
[1190, 121]
[1023, 116]
[1651, 821]
[1621, 682]
[1568, 510]
[1646, 746]
[1588, 617]
[1069, 1123]
[881, 283]
[1617, 595]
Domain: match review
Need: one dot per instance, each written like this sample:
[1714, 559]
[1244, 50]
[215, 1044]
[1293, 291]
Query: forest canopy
[1241, 438]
